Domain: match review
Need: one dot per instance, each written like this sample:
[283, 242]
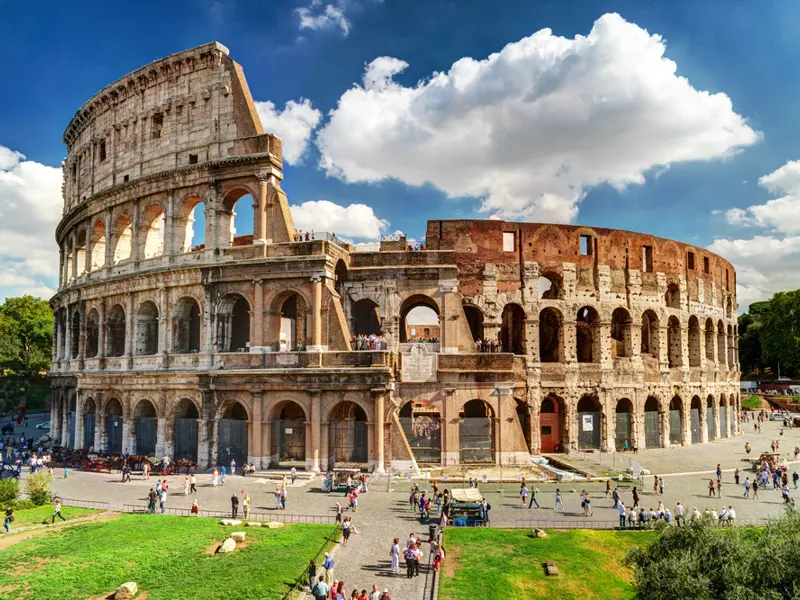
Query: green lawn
[34, 516]
[167, 556]
[752, 403]
[496, 564]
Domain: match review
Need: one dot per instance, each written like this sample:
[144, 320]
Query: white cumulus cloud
[782, 213]
[30, 208]
[532, 127]
[293, 125]
[318, 15]
[352, 221]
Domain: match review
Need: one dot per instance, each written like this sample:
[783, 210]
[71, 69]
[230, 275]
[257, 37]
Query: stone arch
[695, 353]
[98, 245]
[711, 430]
[587, 335]
[289, 432]
[672, 297]
[233, 323]
[552, 423]
[723, 416]
[145, 428]
[92, 333]
[476, 436]
[512, 329]
[75, 334]
[340, 276]
[229, 236]
[113, 432]
[89, 417]
[185, 428]
[551, 344]
[652, 425]
[623, 425]
[147, 329]
[232, 433]
[550, 285]
[152, 231]
[621, 333]
[190, 211]
[366, 316]
[650, 333]
[409, 330]
[731, 347]
[187, 318]
[421, 423]
[674, 344]
[722, 352]
[116, 331]
[676, 420]
[710, 356]
[81, 248]
[348, 436]
[291, 309]
[589, 422]
[123, 238]
[474, 316]
[697, 418]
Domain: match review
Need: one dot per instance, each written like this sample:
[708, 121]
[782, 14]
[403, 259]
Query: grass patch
[753, 402]
[496, 564]
[165, 555]
[35, 516]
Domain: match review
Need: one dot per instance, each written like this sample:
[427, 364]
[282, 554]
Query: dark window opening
[706, 265]
[547, 430]
[157, 126]
[126, 178]
[102, 151]
[193, 159]
[586, 245]
[647, 259]
[690, 260]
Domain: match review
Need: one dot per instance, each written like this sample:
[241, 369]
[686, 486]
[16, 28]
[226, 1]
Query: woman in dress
[395, 554]
[215, 477]
[345, 531]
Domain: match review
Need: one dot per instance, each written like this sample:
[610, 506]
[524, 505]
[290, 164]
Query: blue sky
[702, 154]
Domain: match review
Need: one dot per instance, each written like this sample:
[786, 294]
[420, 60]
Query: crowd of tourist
[488, 345]
[368, 342]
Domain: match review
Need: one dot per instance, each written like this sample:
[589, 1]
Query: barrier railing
[301, 585]
[276, 516]
[592, 524]
[75, 503]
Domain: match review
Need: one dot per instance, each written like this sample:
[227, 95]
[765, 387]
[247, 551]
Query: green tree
[26, 334]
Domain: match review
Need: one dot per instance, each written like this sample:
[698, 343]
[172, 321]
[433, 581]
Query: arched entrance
[623, 429]
[723, 417]
[89, 410]
[289, 435]
[292, 333]
[551, 423]
[113, 426]
[348, 435]
[676, 420]
[366, 317]
[587, 335]
[476, 437]
[652, 429]
[474, 317]
[145, 428]
[710, 418]
[423, 431]
[116, 331]
[186, 326]
[419, 319]
[184, 430]
[550, 349]
[92, 333]
[589, 423]
[512, 329]
[147, 329]
[621, 325]
[524, 420]
[697, 424]
[232, 435]
[233, 321]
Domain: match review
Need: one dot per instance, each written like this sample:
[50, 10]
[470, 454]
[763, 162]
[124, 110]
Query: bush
[37, 486]
[21, 505]
[9, 489]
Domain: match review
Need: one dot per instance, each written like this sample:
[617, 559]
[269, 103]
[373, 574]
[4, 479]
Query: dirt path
[14, 537]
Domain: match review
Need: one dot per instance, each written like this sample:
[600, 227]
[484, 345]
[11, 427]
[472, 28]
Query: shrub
[37, 486]
[9, 489]
[21, 505]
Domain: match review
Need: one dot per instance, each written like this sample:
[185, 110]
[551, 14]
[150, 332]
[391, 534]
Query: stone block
[237, 536]
[252, 524]
[228, 545]
[126, 590]
[552, 571]
[230, 522]
[539, 533]
[273, 525]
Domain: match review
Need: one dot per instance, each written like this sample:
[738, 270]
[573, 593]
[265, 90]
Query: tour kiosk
[465, 507]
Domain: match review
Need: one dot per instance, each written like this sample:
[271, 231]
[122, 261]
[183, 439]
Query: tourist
[345, 531]
[559, 501]
[312, 573]
[146, 470]
[233, 467]
[736, 476]
[185, 486]
[9, 519]
[746, 487]
[635, 497]
[328, 566]
[587, 507]
[374, 594]
[339, 511]
[719, 472]
[524, 493]
[533, 501]
[755, 488]
[151, 501]
[215, 477]
[385, 595]
[193, 484]
[362, 595]
[411, 558]
[711, 490]
[394, 552]
[719, 488]
[66, 470]
[223, 472]
[294, 475]
[283, 498]
[278, 503]
[679, 514]
[621, 508]
[320, 589]
[655, 484]
[162, 499]
[246, 505]
[485, 508]
[57, 511]
[795, 478]
[608, 488]
[195, 508]
[615, 497]
[234, 506]
[661, 486]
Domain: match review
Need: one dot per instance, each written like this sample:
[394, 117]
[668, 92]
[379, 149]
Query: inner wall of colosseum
[177, 334]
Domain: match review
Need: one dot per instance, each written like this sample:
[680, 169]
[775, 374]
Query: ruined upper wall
[481, 242]
[189, 108]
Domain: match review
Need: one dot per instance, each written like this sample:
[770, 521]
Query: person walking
[411, 558]
[345, 531]
[608, 488]
[621, 509]
[215, 477]
[57, 511]
[795, 478]
[246, 506]
[193, 484]
[587, 506]
[679, 514]
[283, 498]
[746, 487]
[234, 506]
[711, 489]
[223, 472]
[635, 497]
[146, 470]
[9, 519]
[151, 501]
[615, 497]
[185, 486]
[312, 573]
[394, 552]
[660, 486]
[533, 501]
[233, 467]
[755, 488]
[328, 566]
[559, 500]
[736, 476]
[524, 493]
[321, 589]
[293, 473]
[162, 499]
[719, 472]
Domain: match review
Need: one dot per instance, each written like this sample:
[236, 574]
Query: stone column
[161, 436]
[257, 320]
[99, 427]
[568, 342]
[316, 315]
[65, 420]
[260, 235]
[109, 258]
[68, 335]
[448, 336]
[81, 334]
[101, 334]
[164, 329]
[606, 362]
[716, 418]
[214, 440]
[56, 336]
[130, 330]
[170, 236]
[79, 401]
[663, 415]
[212, 221]
[380, 425]
[532, 338]
[87, 263]
[316, 432]
[208, 320]
[256, 451]
[323, 450]
[74, 243]
[136, 235]
[54, 414]
[126, 425]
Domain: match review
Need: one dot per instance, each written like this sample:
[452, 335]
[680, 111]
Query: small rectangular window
[102, 150]
[727, 279]
[157, 126]
[586, 245]
[508, 241]
[647, 259]
[74, 172]
[690, 260]
[547, 430]
[193, 159]
[126, 178]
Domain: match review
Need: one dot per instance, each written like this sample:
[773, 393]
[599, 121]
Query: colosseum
[176, 334]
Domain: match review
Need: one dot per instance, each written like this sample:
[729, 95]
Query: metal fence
[300, 586]
[277, 516]
[84, 503]
[590, 523]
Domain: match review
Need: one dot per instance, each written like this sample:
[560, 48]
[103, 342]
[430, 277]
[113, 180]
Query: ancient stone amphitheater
[239, 347]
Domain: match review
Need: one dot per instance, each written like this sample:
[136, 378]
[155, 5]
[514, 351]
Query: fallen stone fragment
[126, 590]
[228, 545]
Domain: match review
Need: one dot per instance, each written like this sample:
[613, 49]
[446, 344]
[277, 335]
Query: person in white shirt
[731, 515]
[679, 514]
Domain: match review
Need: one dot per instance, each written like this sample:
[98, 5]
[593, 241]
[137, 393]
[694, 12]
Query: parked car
[778, 416]
[45, 425]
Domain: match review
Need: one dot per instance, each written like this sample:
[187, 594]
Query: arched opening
[419, 320]
[145, 423]
[116, 331]
[186, 326]
[731, 346]
[674, 344]
[233, 435]
[710, 429]
[621, 339]
[152, 231]
[348, 434]
[672, 297]
[191, 227]
[474, 317]
[589, 411]
[722, 351]
[114, 426]
[123, 238]
[723, 416]
[366, 317]
[92, 333]
[524, 420]
[696, 416]
[729, 308]
[236, 219]
[289, 435]
[676, 420]
[80, 251]
[587, 335]
[184, 430]
[71, 421]
[147, 329]
[694, 342]
[734, 412]
[98, 246]
[233, 323]
[422, 427]
[551, 423]
[710, 357]
[650, 333]
[340, 275]
[74, 334]
[549, 286]
[512, 329]
[550, 345]
[68, 274]
[652, 427]
[623, 431]
[293, 324]
[89, 410]
[476, 438]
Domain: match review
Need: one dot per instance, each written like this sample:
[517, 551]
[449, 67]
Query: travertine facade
[239, 347]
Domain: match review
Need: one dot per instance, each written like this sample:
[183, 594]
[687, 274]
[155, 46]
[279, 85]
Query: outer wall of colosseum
[239, 346]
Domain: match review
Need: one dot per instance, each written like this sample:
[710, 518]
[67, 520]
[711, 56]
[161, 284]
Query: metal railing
[277, 516]
[299, 587]
[589, 523]
[75, 503]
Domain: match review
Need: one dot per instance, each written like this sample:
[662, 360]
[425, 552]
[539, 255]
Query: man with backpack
[320, 589]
